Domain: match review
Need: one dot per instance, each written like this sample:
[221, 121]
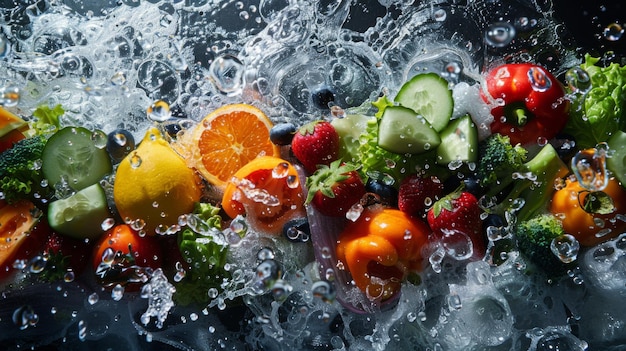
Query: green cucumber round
[428, 94]
[72, 153]
[402, 130]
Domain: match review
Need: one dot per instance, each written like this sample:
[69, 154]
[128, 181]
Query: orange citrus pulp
[228, 138]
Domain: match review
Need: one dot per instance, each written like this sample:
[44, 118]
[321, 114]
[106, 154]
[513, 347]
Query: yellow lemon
[153, 185]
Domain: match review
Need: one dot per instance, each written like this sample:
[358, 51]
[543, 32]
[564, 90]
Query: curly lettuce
[598, 113]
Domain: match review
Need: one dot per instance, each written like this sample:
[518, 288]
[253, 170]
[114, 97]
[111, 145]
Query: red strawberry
[456, 218]
[315, 143]
[334, 189]
[418, 193]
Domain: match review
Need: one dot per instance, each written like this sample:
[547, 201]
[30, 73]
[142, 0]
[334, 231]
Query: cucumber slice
[428, 94]
[459, 142]
[80, 215]
[71, 152]
[402, 131]
[350, 128]
[617, 162]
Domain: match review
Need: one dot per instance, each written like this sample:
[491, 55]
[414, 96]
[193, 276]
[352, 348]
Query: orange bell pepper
[590, 224]
[379, 250]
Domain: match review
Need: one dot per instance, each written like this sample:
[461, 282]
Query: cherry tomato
[590, 227]
[122, 239]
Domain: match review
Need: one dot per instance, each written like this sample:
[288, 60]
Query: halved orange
[228, 138]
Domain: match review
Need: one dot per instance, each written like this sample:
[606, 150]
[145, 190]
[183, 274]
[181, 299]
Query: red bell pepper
[534, 104]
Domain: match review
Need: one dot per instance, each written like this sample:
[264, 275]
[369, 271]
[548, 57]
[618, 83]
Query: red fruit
[455, 220]
[316, 143]
[121, 255]
[334, 189]
[418, 193]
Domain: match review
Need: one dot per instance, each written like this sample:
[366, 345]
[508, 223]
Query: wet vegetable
[598, 108]
[380, 249]
[533, 105]
[590, 216]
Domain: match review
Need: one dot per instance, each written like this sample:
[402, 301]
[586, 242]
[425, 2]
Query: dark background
[586, 20]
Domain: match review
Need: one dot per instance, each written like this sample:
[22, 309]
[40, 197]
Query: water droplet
[93, 298]
[9, 96]
[25, 317]
[82, 330]
[500, 34]
[265, 254]
[589, 166]
[159, 111]
[117, 293]
[538, 79]
[323, 290]
[226, 72]
[107, 224]
[118, 78]
[440, 15]
[578, 80]
[135, 160]
[613, 32]
[565, 247]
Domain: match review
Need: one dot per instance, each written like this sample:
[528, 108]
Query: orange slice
[228, 138]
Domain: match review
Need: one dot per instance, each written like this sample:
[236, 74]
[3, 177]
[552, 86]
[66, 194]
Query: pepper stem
[520, 115]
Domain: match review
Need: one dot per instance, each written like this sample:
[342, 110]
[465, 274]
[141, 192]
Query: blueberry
[297, 230]
[388, 193]
[322, 96]
[282, 133]
[120, 143]
[472, 185]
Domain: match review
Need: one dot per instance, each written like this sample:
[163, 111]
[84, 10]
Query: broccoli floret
[204, 251]
[534, 237]
[20, 177]
[497, 158]
[516, 182]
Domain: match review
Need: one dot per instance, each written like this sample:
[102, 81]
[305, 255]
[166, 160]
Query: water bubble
[565, 247]
[538, 79]
[25, 317]
[159, 111]
[135, 160]
[93, 298]
[118, 78]
[117, 292]
[500, 34]
[37, 264]
[265, 254]
[323, 290]
[613, 32]
[589, 166]
[267, 273]
[9, 95]
[226, 72]
[578, 80]
[440, 15]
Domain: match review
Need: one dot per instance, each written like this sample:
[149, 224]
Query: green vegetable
[80, 215]
[498, 158]
[534, 237]
[459, 142]
[47, 119]
[597, 114]
[428, 94]
[205, 253]
[512, 181]
[617, 162]
[350, 129]
[402, 130]
[20, 176]
[71, 153]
